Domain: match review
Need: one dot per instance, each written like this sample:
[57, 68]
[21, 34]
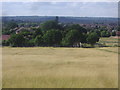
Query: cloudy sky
[79, 9]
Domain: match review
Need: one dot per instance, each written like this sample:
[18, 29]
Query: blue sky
[77, 9]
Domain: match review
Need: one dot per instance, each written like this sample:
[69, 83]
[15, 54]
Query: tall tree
[11, 25]
[37, 32]
[52, 37]
[57, 19]
[105, 34]
[92, 38]
[73, 37]
[39, 40]
[77, 27]
[48, 25]
[17, 40]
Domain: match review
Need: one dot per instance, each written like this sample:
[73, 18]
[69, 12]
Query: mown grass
[111, 41]
[49, 67]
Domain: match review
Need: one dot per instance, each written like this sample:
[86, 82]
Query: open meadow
[59, 44]
[48, 67]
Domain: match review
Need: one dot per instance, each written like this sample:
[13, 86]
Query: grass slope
[60, 67]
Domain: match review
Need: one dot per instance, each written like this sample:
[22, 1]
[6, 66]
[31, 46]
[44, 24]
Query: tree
[27, 34]
[105, 34]
[52, 37]
[30, 43]
[92, 38]
[84, 38]
[114, 33]
[5, 43]
[48, 25]
[77, 27]
[98, 32]
[37, 31]
[73, 37]
[11, 25]
[39, 40]
[17, 40]
[57, 19]
[118, 29]
[6, 31]
[8, 27]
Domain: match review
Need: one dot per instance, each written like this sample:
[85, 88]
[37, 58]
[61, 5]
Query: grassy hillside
[60, 67]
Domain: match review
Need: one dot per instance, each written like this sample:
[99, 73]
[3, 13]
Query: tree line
[53, 33]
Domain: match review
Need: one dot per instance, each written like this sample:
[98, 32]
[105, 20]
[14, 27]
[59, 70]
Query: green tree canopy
[72, 37]
[17, 40]
[8, 26]
[11, 25]
[48, 25]
[77, 27]
[92, 38]
[37, 31]
[118, 28]
[52, 37]
[27, 34]
[39, 40]
[114, 33]
[105, 34]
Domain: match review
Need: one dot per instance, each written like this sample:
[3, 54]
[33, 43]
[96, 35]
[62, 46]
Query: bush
[30, 43]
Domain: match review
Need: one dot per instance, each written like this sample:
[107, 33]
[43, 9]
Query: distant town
[103, 27]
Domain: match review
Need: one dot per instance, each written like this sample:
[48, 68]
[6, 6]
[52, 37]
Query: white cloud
[100, 9]
[53, 2]
[74, 4]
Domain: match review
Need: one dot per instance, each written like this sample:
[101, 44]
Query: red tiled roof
[118, 33]
[4, 37]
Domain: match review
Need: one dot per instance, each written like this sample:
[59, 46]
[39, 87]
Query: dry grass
[60, 68]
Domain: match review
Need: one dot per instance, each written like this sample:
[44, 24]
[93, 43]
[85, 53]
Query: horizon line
[59, 16]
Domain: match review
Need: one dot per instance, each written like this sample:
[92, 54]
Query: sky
[76, 9]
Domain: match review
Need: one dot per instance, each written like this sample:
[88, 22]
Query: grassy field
[111, 41]
[60, 67]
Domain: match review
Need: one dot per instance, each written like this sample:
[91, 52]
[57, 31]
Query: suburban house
[4, 37]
